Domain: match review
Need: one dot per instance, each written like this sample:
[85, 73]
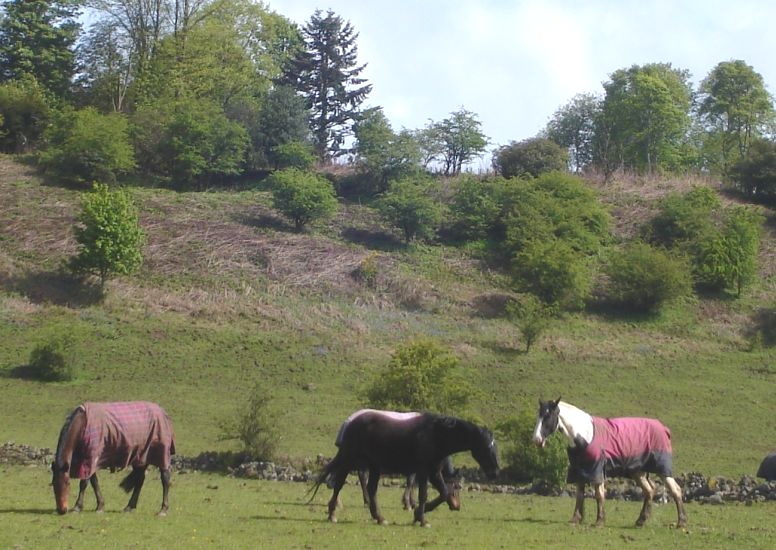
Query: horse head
[485, 452]
[61, 483]
[546, 422]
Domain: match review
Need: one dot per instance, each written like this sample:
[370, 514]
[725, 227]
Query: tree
[755, 174]
[86, 146]
[24, 114]
[108, 233]
[327, 74]
[37, 39]
[736, 109]
[530, 157]
[254, 426]
[573, 127]
[454, 141]
[645, 118]
[282, 121]
[409, 205]
[384, 155]
[302, 196]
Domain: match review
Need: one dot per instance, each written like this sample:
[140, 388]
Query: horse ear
[557, 401]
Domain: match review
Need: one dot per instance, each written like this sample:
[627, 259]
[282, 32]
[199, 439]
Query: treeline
[190, 94]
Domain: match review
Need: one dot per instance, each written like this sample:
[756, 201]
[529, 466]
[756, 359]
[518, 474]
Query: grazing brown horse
[385, 443]
[600, 447]
[112, 435]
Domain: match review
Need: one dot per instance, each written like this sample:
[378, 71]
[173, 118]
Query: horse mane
[63, 433]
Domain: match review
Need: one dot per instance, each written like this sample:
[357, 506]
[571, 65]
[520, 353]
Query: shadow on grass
[266, 221]
[374, 240]
[36, 511]
[53, 287]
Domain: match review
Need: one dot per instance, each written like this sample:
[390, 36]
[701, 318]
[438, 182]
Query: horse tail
[324, 475]
[132, 480]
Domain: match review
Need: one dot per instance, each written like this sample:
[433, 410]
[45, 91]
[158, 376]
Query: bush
[293, 154]
[476, 207]
[531, 317]
[525, 461]
[86, 146]
[254, 427]
[24, 114]
[302, 196]
[52, 360]
[755, 174]
[409, 205]
[644, 279]
[421, 375]
[530, 157]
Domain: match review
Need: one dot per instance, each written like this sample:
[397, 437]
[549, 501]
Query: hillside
[230, 296]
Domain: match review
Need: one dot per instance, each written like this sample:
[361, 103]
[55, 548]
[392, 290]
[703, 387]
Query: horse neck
[470, 433]
[68, 437]
[574, 422]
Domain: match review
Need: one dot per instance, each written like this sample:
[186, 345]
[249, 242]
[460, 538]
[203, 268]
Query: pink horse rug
[620, 448]
[117, 435]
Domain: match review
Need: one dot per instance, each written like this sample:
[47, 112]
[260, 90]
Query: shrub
[24, 114]
[530, 157]
[254, 426]
[108, 233]
[476, 207]
[293, 154]
[755, 174]
[86, 146]
[409, 205]
[51, 360]
[367, 270]
[683, 217]
[643, 278]
[525, 461]
[421, 375]
[531, 317]
[302, 196]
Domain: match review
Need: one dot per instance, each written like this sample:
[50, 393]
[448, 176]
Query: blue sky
[513, 63]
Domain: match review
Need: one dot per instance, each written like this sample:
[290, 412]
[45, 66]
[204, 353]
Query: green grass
[211, 511]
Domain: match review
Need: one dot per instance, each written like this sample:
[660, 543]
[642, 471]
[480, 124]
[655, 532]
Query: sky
[514, 62]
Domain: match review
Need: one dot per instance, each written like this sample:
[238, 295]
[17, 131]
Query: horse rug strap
[117, 435]
[622, 447]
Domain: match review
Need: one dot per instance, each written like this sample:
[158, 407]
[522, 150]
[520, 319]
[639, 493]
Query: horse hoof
[332, 519]
[162, 513]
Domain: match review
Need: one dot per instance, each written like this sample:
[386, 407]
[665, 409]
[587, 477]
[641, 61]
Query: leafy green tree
[645, 119]
[282, 121]
[384, 155]
[530, 157]
[37, 39]
[644, 279]
[108, 234]
[755, 174]
[293, 154]
[302, 196]
[86, 146]
[476, 206]
[327, 74]
[421, 375]
[409, 204]
[573, 126]
[24, 115]
[735, 108]
[531, 316]
[454, 141]
[105, 71]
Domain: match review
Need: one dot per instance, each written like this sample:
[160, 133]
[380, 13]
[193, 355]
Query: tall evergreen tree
[327, 74]
[37, 39]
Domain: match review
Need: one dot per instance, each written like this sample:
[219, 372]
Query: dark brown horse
[414, 443]
[112, 435]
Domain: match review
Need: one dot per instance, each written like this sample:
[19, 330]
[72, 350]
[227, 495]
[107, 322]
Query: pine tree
[327, 74]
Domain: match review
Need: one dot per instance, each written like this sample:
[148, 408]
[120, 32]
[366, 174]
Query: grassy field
[211, 511]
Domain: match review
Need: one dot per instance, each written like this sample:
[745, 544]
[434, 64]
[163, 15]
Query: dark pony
[112, 435]
[375, 442]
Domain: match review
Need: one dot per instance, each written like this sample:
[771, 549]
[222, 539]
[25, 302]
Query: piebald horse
[394, 444]
[601, 447]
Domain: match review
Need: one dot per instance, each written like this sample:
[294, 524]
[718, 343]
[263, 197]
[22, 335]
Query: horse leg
[371, 488]
[440, 485]
[362, 480]
[420, 511]
[579, 506]
[676, 494]
[165, 475]
[79, 503]
[649, 493]
[407, 499]
[600, 495]
[97, 493]
[338, 481]
[138, 474]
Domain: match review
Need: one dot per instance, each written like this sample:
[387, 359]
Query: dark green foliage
[292, 154]
[86, 146]
[573, 126]
[421, 375]
[282, 130]
[108, 233]
[302, 196]
[37, 39]
[476, 206]
[755, 174]
[683, 217]
[530, 157]
[525, 461]
[327, 74]
[254, 426]
[52, 360]
[643, 279]
[24, 115]
[409, 205]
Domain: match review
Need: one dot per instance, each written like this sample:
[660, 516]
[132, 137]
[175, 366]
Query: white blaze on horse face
[537, 436]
